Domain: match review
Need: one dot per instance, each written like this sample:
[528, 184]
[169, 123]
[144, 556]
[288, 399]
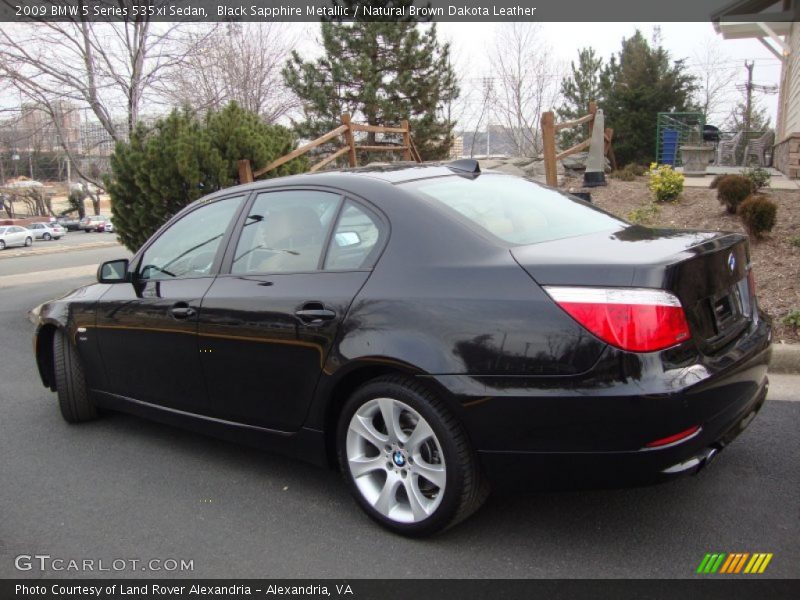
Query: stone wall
[786, 156]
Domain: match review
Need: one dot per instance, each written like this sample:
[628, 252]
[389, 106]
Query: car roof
[392, 173]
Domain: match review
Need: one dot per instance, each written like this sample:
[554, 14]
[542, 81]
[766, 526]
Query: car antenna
[465, 165]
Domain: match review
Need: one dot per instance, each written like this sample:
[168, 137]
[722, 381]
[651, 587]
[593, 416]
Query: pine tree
[578, 89]
[381, 73]
[759, 118]
[636, 85]
[163, 168]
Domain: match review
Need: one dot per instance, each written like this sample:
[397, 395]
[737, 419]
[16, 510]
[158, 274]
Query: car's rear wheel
[28, 241]
[47, 237]
[407, 459]
[2, 245]
[73, 395]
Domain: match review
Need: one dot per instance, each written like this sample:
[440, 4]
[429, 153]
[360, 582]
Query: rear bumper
[593, 431]
[574, 470]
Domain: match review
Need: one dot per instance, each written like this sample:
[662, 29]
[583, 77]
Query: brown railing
[549, 130]
[346, 130]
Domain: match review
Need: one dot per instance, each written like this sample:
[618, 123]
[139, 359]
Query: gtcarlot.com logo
[45, 562]
[735, 563]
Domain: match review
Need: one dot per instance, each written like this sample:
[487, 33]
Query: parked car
[14, 235]
[109, 227]
[96, 223]
[431, 331]
[47, 231]
[69, 223]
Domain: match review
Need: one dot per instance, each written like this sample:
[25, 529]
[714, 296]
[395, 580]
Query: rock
[490, 163]
[510, 169]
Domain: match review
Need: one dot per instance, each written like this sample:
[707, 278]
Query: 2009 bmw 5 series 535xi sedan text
[430, 330]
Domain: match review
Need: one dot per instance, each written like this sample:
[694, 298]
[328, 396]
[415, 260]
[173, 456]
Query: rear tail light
[636, 320]
[751, 283]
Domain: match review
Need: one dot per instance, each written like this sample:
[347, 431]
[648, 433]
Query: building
[775, 24]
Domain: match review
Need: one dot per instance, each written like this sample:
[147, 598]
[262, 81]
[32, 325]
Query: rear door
[266, 327]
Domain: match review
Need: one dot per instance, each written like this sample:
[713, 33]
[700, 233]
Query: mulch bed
[775, 260]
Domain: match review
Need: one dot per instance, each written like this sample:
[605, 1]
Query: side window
[188, 247]
[285, 232]
[354, 243]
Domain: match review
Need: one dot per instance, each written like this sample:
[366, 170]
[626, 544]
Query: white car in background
[47, 231]
[14, 235]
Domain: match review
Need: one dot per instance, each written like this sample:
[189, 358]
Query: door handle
[182, 310]
[314, 313]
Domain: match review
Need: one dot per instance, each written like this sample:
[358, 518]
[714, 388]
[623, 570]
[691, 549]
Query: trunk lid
[706, 270]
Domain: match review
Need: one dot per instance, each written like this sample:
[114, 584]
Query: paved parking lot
[74, 240]
[122, 487]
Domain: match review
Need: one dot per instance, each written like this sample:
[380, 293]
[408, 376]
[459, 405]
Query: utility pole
[748, 88]
[749, 91]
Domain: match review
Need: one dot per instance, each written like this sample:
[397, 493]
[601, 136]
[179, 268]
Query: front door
[147, 329]
[266, 327]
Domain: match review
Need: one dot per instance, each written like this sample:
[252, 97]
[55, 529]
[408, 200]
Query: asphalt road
[122, 487]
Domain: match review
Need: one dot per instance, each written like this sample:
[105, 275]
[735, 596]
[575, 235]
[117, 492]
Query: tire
[86, 231]
[2, 245]
[28, 241]
[391, 487]
[73, 397]
[47, 237]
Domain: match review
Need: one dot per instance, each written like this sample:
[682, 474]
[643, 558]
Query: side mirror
[113, 271]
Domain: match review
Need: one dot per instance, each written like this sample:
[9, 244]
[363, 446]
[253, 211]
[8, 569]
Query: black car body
[446, 308]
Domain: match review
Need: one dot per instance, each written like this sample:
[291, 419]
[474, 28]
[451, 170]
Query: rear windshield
[515, 210]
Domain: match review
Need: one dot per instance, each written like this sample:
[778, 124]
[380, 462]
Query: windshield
[515, 210]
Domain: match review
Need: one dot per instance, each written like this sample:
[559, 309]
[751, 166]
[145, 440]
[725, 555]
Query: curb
[785, 359]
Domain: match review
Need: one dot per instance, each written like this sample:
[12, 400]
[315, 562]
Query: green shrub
[795, 241]
[623, 174]
[758, 215]
[758, 177]
[716, 180]
[638, 170]
[644, 215]
[792, 319]
[665, 183]
[732, 191]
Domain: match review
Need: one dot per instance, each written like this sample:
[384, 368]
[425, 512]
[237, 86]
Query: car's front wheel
[407, 459]
[73, 395]
[47, 237]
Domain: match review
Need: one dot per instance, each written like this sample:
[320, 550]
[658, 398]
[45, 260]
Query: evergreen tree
[181, 158]
[636, 85]
[578, 89]
[381, 73]
[759, 118]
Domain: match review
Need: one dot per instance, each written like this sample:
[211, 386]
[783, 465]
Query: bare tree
[106, 68]
[715, 80]
[239, 62]
[527, 83]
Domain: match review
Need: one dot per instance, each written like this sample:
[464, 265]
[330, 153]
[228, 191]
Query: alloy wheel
[396, 460]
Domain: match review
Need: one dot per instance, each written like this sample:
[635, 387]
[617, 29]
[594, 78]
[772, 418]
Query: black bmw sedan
[429, 330]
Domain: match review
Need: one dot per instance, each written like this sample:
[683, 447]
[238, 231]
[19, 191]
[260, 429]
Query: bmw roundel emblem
[398, 458]
[731, 262]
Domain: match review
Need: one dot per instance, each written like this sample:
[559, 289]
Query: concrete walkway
[778, 181]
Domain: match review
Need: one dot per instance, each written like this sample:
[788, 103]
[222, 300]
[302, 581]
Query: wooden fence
[549, 130]
[346, 130]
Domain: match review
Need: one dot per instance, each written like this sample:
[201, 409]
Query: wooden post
[549, 143]
[245, 171]
[406, 141]
[609, 149]
[348, 136]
